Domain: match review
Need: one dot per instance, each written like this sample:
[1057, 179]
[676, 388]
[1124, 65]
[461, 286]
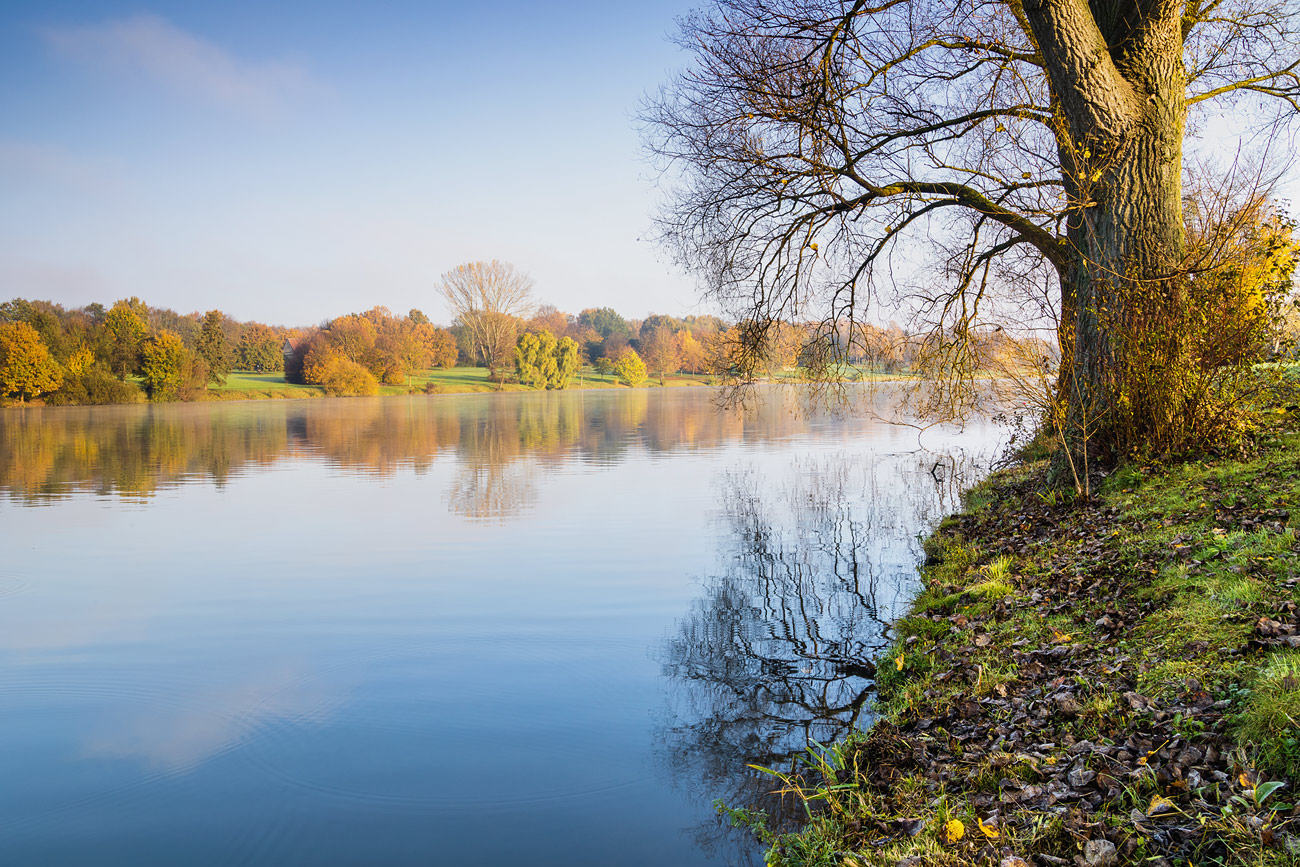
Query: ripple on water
[110, 717]
[9, 585]
[419, 729]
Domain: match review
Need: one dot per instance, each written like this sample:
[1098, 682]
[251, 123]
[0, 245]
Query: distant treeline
[125, 353]
[131, 352]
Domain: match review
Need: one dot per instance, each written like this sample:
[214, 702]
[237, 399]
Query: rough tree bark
[1117, 75]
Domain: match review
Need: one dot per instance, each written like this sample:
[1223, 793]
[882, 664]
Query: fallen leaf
[1159, 805]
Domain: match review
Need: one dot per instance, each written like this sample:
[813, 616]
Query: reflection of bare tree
[777, 651]
[494, 479]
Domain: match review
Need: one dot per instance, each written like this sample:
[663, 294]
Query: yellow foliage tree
[630, 368]
[26, 368]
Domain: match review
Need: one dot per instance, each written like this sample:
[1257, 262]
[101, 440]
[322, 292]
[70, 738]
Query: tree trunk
[1119, 88]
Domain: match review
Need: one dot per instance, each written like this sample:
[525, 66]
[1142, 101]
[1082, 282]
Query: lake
[544, 629]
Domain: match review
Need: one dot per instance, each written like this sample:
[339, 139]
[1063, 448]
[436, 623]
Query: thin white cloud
[188, 64]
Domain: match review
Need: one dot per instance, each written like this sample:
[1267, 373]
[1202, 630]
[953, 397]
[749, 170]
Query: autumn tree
[661, 351]
[630, 368]
[124, 332]
[260, 349]
[342, 377]
[405, 347]
[443, 349]
[354, 337]
[487, 299]
[1035, 142]
[168, 370]
[549, 318]
[690, 352]
[212, 346]
[26, 368]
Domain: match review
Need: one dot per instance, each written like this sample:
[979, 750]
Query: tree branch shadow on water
[778, 650]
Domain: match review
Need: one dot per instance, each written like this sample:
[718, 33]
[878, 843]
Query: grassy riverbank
[1115, 682]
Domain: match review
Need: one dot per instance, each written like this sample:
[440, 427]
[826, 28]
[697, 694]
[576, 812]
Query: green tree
[605, 321]
[124, 333]
[260, 349]
[541, 361]
[567, 359]
[535, 358]
[170, 371]
[26, 368]
[213, 347]
[630, 368]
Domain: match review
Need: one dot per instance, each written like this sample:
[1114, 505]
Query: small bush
[95, 386]
[344, 378]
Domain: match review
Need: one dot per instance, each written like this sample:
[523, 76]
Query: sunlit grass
[242, 384]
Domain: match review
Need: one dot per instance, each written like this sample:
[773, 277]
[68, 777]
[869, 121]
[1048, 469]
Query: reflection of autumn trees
[496, 441]
[131, 451]
[776, 651]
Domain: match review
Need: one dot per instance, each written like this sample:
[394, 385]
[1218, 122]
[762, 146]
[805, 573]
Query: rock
[1081, 777]
[1013, 861]
[1067, 704]
[912, 861]
[1099, 853]
[910, 827]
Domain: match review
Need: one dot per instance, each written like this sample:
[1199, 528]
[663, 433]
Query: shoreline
[1109, 683]
[447, 388]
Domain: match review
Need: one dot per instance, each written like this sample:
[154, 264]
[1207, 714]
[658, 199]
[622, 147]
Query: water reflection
[776, 651]
[304, 639]
[499, 442]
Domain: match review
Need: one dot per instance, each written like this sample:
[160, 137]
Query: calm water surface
[538, 629]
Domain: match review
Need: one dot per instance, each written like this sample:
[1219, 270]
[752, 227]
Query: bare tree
[1037, 143]
[488, 299]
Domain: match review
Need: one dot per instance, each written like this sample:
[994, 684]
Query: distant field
[244, 385]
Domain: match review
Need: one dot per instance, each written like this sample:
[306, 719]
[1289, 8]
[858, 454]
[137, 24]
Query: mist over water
[449, 630]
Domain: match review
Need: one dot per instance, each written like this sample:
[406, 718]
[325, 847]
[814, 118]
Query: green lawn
[242, 384]
[245, 385]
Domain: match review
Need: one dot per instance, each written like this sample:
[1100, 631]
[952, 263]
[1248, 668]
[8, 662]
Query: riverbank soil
[1101, 683]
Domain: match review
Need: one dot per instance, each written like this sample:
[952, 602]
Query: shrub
[95, 385]
[344, 378]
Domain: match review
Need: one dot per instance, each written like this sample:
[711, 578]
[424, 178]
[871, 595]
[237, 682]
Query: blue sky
[289, 162]
[292, 161]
